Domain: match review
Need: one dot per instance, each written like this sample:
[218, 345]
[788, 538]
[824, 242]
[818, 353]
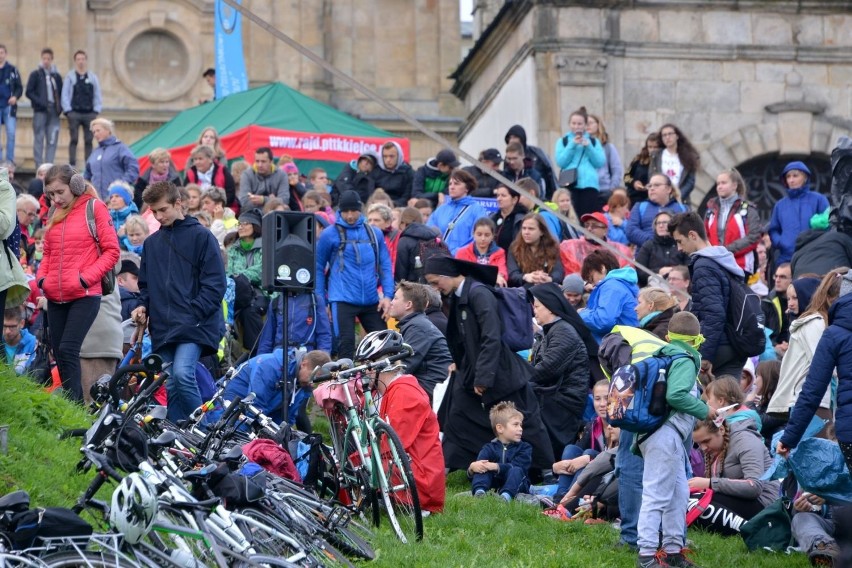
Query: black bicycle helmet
[379, 344]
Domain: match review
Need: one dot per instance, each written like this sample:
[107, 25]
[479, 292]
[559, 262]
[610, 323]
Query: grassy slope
[484, 532]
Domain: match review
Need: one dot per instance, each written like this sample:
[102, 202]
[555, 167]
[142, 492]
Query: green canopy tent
[276, 116]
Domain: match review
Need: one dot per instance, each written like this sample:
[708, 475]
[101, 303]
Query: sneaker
[528, 499]
[681, 560]
[824, 554]
[653, 561]
[506, 497]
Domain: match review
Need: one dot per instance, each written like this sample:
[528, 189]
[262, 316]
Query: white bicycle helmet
[379, 344]
[134, 507]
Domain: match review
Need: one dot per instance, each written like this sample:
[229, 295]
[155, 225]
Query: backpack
[515, 317]
[371, 235]
[426, 250]
[744, 320]
[108, 279]
[637, 394]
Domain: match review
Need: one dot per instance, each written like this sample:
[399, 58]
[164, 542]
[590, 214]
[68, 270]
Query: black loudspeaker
[289, 251]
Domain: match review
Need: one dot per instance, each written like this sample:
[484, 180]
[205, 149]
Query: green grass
[470, 532]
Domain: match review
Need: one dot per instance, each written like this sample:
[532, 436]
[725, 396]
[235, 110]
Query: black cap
[350, 201]
[447, 157]
[251, 216]
[492, 155]
[128, 266]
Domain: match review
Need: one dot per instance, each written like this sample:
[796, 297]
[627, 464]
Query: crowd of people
[176, 253]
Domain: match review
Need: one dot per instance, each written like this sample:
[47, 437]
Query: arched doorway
[762, 175]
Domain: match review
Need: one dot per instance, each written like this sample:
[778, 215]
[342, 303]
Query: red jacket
[405, 406]
[742, 231]
[71, 267]
[496, 258]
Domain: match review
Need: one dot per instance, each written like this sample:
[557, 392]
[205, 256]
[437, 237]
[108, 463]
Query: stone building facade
[149, 56]
[750, 83]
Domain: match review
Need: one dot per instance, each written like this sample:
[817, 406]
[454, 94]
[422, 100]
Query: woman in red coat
[72, 267]
[405, 406]
[483, 249]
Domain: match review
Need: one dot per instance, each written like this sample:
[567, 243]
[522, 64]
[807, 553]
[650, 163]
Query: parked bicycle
[369, 456]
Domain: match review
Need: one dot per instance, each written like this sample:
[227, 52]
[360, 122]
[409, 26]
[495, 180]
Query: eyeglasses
[30, 214]
[591, 226]
[662, 223]
[15, 326]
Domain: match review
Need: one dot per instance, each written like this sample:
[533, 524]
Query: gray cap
[846, 284]
[573, 284]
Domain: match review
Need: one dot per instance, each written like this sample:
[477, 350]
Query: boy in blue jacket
[503, 463]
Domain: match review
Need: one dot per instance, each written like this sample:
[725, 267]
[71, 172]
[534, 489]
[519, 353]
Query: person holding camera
[580, 155]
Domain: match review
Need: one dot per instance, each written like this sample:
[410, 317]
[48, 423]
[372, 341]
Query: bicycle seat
[232, 455]
[202, 473]
[157, 413]
[164, 440]
[15, 502]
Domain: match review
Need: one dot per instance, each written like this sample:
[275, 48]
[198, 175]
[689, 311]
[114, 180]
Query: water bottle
[417, 262]
[658, 396]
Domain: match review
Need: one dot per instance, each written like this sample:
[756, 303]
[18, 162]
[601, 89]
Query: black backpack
[744, 320]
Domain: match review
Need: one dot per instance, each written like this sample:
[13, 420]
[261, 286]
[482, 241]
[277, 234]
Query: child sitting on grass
[503, 463]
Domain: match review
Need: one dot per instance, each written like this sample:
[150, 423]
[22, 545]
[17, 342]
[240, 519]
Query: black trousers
[343, 319]
[585, 201]
[69, 323]
[75, 121]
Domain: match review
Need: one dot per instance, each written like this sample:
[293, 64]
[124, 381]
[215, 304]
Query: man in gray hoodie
[711, 292]
[394, 175]
[264, 180]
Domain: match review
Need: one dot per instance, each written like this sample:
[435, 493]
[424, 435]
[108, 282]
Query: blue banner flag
[230, 65]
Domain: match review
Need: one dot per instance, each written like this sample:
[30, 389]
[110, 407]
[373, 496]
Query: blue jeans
[10, 122]
[566, 480]
[629, 469]
[181, 387]
[513, 482]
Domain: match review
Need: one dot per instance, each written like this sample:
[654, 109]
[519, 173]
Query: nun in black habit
[560, 365]
[487, 371]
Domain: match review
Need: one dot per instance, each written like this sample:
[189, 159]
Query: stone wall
[149, 56]
[739, 79]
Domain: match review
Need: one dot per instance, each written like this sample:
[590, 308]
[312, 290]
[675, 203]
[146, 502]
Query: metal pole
[285, 340]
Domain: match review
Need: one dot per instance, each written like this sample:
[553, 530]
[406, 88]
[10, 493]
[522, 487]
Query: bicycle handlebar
[101, 463]
[321, 374]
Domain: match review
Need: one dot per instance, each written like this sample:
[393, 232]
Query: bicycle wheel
[8, 560]
[350, 542]
[174, 534]
[86, 559]
[398, 489]
[355, 481]
[271, 537]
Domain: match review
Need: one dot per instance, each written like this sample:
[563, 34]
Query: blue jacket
[462, 233]
[612, 302]
[640, 226]
[791, 216]
[587, 159]
[515, 454]
[552, 221]
[24, 352]
[307, 324]
[356, 281]
[617, 234]
[181, 285]
[834, 351]
[262, 376]
[111, 161]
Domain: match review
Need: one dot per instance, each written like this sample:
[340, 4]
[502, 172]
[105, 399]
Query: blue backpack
[516, 316]
[637, 394]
